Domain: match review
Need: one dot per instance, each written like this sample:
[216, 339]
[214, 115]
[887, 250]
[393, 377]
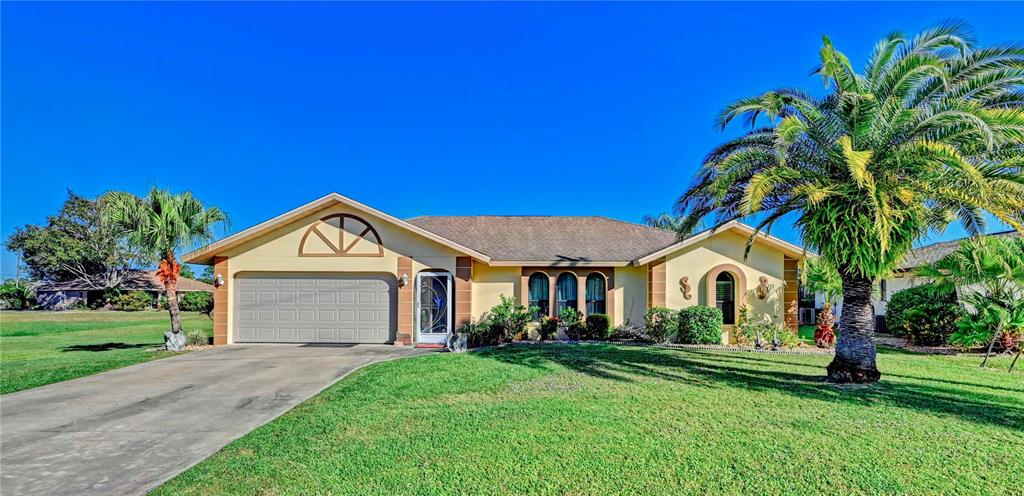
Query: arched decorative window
[565, 292]
[725, 297]
[538, 294]
[341, 235]
[595, 294]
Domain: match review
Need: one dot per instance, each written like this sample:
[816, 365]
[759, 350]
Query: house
[904, 277]
[68, 294]
[338, 271]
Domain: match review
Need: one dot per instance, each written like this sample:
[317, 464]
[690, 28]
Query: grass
[39, 348]
[605, 419]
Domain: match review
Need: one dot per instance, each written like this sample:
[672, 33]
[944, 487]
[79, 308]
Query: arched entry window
[725, 297]
[538, 294]
[565, 292]
[595, 294]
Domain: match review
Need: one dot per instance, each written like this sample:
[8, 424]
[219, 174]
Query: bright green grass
[627, 420]
[38, 348]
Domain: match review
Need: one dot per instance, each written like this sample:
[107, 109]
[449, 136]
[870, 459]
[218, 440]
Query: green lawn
[38, 348]
[627, 420]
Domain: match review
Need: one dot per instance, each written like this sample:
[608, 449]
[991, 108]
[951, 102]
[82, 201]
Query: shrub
[16, 295]
[926, 314]
[508, 319]
[570, 323]
[661, 323]
[700, 325]
[548, 328]
[133, 301]
[195, 301]
[479, 333]
[630, 332]
[196, 338]
[598, 326]
[896, 319]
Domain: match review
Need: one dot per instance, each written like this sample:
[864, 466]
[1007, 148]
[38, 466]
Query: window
[538, 294]
[725, 297]
[565, 292]
[595, 294]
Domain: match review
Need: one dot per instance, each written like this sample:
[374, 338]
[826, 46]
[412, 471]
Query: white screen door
[433, 306]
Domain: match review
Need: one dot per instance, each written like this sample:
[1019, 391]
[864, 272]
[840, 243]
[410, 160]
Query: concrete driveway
[128, 430]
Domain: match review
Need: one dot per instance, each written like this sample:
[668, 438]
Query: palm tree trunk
[1020, 348]
[991, 344]
[855, 351]
[171, 288]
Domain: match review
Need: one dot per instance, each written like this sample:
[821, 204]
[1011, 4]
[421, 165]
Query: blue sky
[415, 109]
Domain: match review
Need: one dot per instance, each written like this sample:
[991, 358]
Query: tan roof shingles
[537, 238]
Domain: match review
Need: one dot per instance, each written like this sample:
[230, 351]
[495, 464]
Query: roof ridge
[636, 224]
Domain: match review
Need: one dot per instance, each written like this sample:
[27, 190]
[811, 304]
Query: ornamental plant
[700, 325]
[158, 225]
[662, 323]
[929, 131]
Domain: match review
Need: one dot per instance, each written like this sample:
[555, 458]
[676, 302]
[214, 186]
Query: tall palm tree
[931, 131]
[160, 224]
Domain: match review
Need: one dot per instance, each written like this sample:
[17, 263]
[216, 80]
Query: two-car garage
[315, 308]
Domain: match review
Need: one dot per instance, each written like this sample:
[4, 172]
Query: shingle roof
[141, 280]
[549, 238]
[935, 251]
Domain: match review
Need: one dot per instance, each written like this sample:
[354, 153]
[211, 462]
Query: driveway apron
[128, 430]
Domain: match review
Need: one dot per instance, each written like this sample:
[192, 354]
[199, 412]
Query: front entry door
[433, 306]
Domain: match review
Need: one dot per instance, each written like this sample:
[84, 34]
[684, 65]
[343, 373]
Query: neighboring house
[61, 295]
[338, 271]
[904, 277]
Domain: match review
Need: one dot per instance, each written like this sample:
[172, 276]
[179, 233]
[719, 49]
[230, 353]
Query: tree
[670, 222]
[207, 276]
[988, 276]
[75, 245]
[161, 224]
[665, 221]
[931, 131]
[186, 272]
[819, 276]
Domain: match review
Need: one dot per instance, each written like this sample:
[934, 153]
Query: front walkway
[128, 430]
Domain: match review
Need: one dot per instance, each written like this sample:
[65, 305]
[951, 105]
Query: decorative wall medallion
[341, 235]
[684, 286]
[762, 288]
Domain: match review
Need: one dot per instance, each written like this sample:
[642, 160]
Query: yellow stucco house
[338, 271]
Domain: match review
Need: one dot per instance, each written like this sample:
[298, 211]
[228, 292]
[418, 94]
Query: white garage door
[315, 308]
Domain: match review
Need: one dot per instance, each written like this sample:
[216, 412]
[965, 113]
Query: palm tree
[160, 224]
[931, 131]
[664, 221]
[988, 276]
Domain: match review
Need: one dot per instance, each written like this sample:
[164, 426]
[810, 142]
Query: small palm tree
[160, 224]
[931, 131]
[988, 276]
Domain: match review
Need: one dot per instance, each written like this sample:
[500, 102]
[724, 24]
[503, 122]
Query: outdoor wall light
[404, 280]
[218, 281]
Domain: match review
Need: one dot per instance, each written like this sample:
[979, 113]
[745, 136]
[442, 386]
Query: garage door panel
[315, 308]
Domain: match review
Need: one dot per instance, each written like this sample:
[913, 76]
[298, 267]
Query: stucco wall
[695, 261]
[489, 283]
[278, 251]
[630, 295]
